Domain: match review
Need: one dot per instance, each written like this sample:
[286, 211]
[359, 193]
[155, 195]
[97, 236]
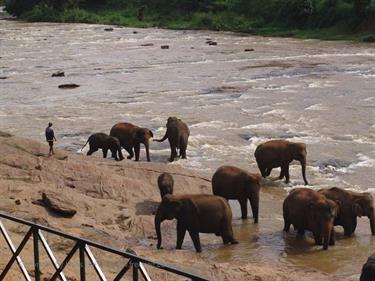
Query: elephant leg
[137, 149]
[332, 237]
[195, 237]
[301, 232]
[282, 174]
[287, 222]
[181, 230]
[243, 203]
[173, 152]
[105, 151]
[262, 169]
[91, 151]
[254, 203]
[285, 168]
[129, 149]
[268, 171]
[183, 147]
[318, 238]
[114, 152]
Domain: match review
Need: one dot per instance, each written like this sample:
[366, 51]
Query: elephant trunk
[327, 232]
[372, 223]
[147, 145]
[158, 220]
[303, 165]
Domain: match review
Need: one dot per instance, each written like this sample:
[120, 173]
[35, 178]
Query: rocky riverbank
[114, 204]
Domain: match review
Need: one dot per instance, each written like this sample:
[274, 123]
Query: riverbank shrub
[280, 17]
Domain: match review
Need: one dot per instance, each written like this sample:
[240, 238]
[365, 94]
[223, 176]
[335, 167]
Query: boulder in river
[249, 50]
[108, 29]
[58, 204]
[164, 47]
[68, 86]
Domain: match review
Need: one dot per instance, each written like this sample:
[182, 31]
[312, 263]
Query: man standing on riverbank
[50, 137]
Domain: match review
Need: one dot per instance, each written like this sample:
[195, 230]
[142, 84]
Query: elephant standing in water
[279, 153]
[131, 136]
[234, 183]
[104, 142]
[196, 213]
[178, 135]
[308, 209]
[351, 205]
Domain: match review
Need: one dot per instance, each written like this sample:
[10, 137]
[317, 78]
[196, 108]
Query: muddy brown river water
[321, 93]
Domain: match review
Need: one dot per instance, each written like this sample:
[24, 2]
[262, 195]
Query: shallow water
[321, 93]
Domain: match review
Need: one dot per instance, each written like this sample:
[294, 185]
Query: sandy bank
[114, 203]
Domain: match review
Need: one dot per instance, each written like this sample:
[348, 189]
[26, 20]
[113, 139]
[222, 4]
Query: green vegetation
[325, 19]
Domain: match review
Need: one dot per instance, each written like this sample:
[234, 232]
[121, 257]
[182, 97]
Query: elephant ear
[151, 134]
[139, 135]
[357, 208]
[191, 213]
[311, 210]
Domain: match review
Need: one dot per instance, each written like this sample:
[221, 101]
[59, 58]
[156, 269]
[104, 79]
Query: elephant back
[123, 131]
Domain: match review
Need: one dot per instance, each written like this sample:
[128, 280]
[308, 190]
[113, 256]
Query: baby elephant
[368, 269]
[234, 183]
[351, 205]
[104, 142]
[196, 213]
[178, 135]
[165, 183]
[308, 209]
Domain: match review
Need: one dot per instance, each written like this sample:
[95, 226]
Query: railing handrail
[125, 254]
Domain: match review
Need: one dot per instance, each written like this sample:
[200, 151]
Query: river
[321, 93]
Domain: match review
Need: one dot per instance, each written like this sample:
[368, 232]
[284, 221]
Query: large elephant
[279, 153]
[368, 269]
[131, 136]
[351, 205]
[103, 141]
[196, 213]
[178, 135]
[165, 183]
[308, 209]
[234, 183]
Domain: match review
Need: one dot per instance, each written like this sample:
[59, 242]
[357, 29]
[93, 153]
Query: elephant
[279, 153]
[308, 209]
[368, 269]
[105, 142]
[234, 183]
[196, 213]
[351, 205]
[178, 135]
[165, 183]
[131, 136]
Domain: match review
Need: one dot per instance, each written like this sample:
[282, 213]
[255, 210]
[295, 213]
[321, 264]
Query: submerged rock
[58, 74]
[108, 29]
[249, 50]
[68, 86]
[164, 46]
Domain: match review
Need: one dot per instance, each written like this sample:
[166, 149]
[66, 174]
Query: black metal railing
[135, 262]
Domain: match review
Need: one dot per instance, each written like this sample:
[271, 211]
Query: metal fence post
[36, 253]
[135, 270]
[82, 261]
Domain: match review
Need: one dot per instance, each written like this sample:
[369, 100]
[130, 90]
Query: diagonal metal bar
[36, 254]
[16, 253]
[65, 262]
[95, 264]
[123, 271]
[50, 255]
[144, 272]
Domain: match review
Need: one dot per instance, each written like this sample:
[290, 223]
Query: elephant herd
[304, 208]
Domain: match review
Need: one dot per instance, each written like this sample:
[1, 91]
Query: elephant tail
[84, 145]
